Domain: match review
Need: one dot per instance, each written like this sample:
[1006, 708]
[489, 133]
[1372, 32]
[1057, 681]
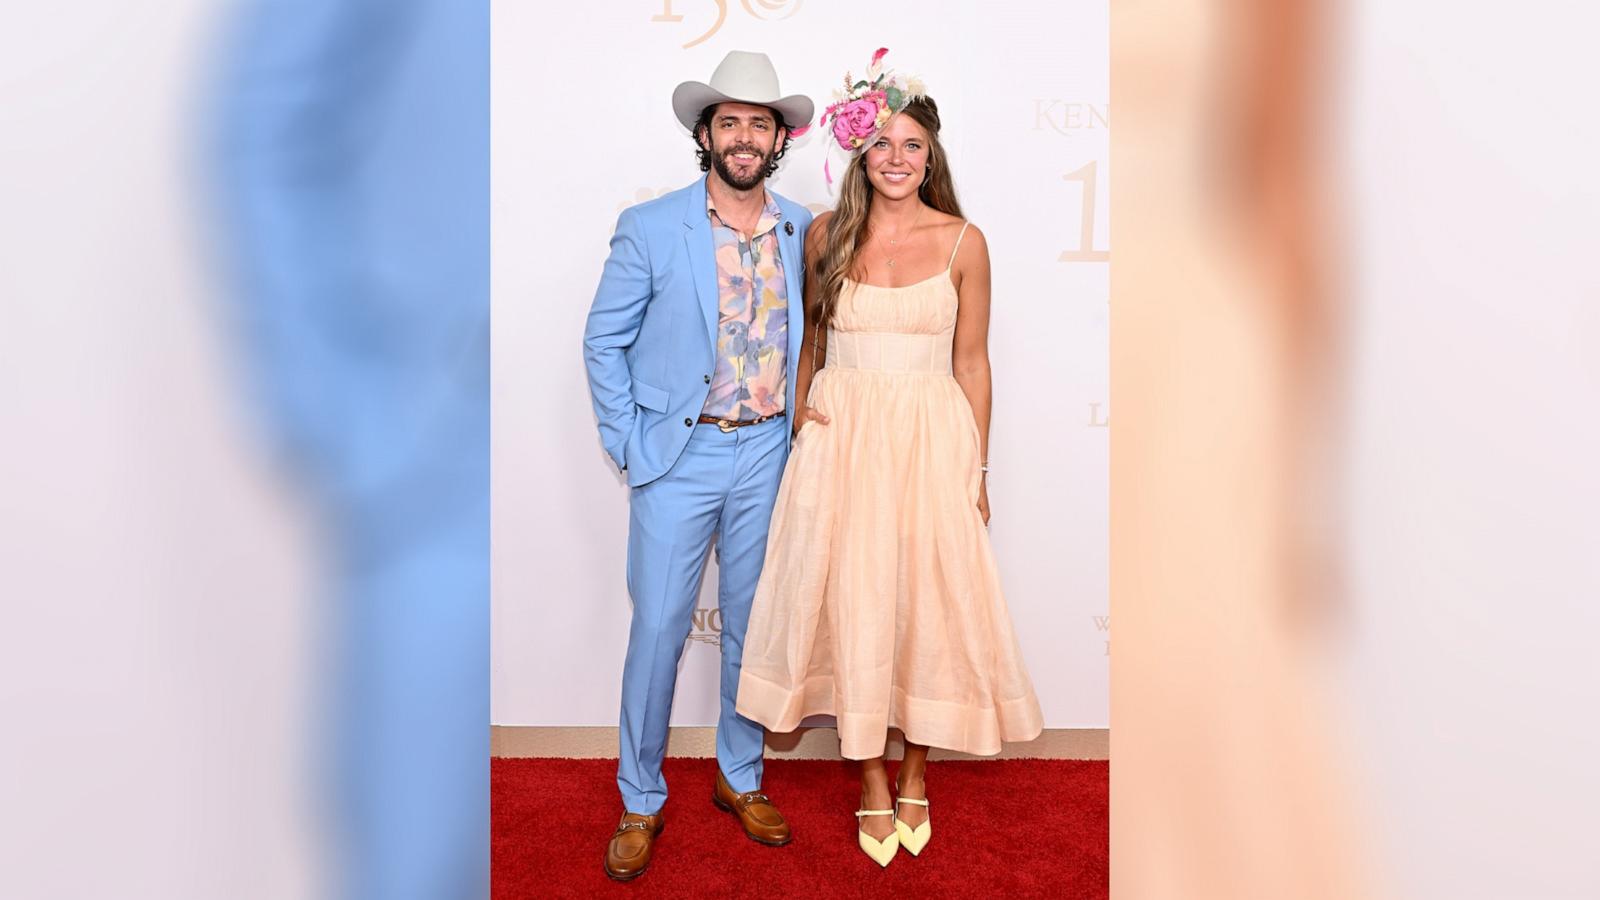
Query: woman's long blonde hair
[847, 230]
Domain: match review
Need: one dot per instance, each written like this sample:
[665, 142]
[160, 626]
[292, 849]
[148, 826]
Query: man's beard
[758, 170]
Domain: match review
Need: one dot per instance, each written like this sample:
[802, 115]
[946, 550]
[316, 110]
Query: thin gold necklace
[896, 243]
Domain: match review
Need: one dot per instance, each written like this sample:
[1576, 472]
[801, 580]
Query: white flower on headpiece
[839, 95]
[915, 87]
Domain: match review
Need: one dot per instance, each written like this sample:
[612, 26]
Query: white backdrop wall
[583, 127]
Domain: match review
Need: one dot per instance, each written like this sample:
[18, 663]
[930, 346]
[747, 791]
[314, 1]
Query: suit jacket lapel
[702, 261]
[793, 256]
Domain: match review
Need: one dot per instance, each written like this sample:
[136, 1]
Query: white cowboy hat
[742, 77]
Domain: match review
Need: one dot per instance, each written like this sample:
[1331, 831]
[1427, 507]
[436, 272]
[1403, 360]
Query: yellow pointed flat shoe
[913, 839]
[881, 851]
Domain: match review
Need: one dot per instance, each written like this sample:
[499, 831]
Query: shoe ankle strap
[912, 800]
[874, 812]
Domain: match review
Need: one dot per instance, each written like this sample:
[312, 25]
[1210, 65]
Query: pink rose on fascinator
[859, 119]
[841, 131]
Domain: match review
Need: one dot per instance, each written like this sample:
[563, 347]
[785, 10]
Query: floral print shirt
[753, 329]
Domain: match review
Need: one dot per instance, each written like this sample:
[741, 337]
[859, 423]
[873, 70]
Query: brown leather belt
[727, 425]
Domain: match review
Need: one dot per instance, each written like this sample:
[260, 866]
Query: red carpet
[1002, 828]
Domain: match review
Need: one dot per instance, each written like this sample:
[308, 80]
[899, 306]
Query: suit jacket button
[689, 422]
[707, 378]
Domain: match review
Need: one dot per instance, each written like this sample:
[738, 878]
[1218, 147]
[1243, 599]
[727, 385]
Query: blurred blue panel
[348, 149]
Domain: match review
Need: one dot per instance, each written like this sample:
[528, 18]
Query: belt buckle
[727, 425]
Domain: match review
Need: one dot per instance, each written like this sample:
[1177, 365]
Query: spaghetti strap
[957, 248]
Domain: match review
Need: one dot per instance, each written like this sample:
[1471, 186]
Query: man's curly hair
[704, 125]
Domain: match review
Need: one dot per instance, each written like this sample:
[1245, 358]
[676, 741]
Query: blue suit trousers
[721, 488]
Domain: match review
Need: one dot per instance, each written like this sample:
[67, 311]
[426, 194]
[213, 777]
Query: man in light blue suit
[691, 348]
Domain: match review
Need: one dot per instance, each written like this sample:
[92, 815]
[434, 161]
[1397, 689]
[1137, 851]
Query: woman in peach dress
[879, 602]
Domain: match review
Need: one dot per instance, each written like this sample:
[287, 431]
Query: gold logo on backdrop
[1085, 251]
[1068, 118]
[760, 9]
[1098, 419]
[1103, 623]
[707, 627]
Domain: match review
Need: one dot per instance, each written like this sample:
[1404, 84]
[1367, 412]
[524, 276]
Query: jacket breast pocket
[649, 396]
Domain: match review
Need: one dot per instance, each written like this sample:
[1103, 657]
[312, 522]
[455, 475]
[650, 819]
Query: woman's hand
[983, 499]
[807, 414]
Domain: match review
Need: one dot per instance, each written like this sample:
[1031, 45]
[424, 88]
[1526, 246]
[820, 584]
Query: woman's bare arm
[814, 340]
[970, 360]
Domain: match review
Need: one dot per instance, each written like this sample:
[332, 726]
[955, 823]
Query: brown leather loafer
[628, 854]
[761, 820]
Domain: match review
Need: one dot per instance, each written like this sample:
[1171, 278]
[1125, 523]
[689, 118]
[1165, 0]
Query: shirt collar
[770, 213]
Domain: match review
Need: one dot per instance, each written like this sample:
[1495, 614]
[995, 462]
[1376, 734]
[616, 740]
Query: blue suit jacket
[650, 342]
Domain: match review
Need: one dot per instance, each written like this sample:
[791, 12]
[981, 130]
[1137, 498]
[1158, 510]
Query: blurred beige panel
[1225, 782]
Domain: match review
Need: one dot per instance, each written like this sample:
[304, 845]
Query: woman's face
[897, 160]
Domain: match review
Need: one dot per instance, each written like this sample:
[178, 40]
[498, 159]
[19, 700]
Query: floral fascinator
[863, 107]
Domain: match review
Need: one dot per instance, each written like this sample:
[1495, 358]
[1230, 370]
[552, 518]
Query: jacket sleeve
[613, 324]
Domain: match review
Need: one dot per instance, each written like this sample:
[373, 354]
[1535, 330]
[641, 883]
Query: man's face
[742, 140]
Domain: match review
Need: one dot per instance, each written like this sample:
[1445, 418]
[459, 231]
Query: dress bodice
[909, 328]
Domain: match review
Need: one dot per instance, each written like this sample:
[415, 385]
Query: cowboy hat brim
[692, 97]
